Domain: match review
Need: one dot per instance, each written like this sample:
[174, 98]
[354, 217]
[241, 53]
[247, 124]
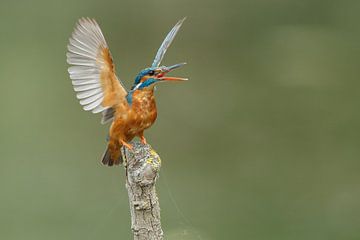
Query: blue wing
[166, 43]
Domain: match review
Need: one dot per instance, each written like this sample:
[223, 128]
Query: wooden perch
[142, 165]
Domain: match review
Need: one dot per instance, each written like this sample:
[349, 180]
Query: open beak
[164, 70]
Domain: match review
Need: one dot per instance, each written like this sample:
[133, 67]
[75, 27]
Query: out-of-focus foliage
[261, 143]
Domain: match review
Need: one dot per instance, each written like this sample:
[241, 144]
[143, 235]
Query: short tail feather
[108, 161]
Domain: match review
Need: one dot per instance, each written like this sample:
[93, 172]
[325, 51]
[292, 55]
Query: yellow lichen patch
[153, 153]
[154, 159]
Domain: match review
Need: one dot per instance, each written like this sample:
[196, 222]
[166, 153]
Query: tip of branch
[142, 163]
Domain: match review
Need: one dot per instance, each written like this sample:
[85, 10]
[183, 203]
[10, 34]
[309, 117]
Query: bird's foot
[143, 140]
[127, 145]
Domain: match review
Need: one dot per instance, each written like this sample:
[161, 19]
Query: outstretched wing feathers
[92, 74]
[166, 43]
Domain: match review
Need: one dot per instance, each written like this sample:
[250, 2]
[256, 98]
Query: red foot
[127, 145]
[143, 139]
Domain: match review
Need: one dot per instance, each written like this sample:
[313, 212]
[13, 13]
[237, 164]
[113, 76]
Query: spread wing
[166, 43]
[93, 75]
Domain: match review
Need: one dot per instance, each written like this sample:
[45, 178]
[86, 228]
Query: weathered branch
[142, 166]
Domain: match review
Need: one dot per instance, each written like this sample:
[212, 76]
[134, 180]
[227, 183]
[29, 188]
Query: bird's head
[148, 77]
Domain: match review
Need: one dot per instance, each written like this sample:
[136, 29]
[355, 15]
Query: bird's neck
[140, 96]
[144, 93]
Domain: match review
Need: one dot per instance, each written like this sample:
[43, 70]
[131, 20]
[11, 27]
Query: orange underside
[131, 121]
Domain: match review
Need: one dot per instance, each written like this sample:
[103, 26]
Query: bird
[99, 90]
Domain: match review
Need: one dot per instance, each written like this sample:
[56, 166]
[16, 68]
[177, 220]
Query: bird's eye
[151, 73]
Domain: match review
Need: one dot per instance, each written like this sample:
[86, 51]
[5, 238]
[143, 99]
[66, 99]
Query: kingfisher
[99, 90]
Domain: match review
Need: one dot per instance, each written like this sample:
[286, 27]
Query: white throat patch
[137, 86]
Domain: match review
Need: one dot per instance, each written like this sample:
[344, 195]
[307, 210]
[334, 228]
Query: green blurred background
[262, 143]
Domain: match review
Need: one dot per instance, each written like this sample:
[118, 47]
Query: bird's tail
[110, 158]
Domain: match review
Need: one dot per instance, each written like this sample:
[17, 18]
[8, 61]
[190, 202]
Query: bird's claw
[143, 140]
[127, 145]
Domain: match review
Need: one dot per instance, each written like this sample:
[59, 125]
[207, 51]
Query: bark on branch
[142, 165]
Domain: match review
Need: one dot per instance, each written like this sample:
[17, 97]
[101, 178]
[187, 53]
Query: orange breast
[143, 109]
[133, 120]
